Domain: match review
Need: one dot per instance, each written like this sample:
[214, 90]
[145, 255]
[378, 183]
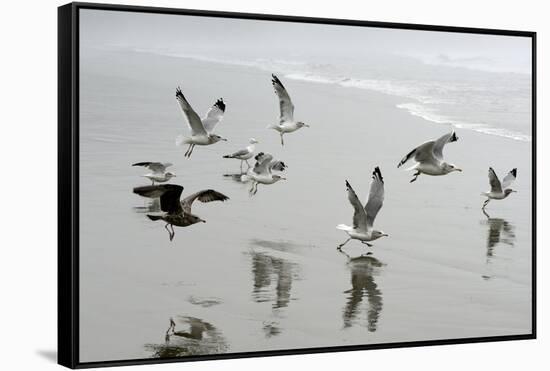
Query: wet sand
[263, 273]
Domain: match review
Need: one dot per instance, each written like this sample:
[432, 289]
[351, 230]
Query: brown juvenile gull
[158, 171]
[286, 124]
[499, 191]
[363, 217]
[429, 157]
[201, 130]
[178, 213]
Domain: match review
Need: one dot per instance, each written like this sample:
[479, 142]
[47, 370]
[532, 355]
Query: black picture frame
[68, 181]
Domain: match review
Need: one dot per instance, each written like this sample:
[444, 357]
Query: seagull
[262, 171]
[201, 130]
[499, 191]
[159, 173]
[286, 122]
[178, 213]
[244, 154]
[429, 157]
[363, 217]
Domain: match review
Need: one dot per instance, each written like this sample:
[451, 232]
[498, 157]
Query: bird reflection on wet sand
[200, 337]
[236, 177]
[500, 232]
[272, 280]
[363, 270]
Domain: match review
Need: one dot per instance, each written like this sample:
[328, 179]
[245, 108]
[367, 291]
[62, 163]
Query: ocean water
[467, 95]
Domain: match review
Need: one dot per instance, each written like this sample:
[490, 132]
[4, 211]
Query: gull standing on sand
[262, 172]
[286, 121]
[244, 154]
[201, 130]
[159, 173]
[363, 217]
[499, 191]
[178, 213]
[429, 157]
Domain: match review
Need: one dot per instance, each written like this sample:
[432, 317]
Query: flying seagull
[286, 121]
[262, 171]
[178, 213]
[499, 191]
[158, 171]
[363, 217]
[429, 157]
[201, 130]
[244, 154]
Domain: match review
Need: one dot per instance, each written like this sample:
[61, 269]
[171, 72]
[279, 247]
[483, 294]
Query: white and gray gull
[158, 171]
[244, 154]
[499, 191]
[262, 172]
[429, 157]
[286, 124]
[202, 131]
[363, 217]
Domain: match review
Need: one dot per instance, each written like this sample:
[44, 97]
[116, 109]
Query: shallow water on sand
[263, 273]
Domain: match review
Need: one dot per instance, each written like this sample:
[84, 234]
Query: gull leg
[247, 164]
[485, 203]
[339, 247]
[191, 148]
[282, 140]
[366, 243]
[415, 176]
[173, 233]
[255, 188]
[168, 229]
[186, 152]
[241, 166]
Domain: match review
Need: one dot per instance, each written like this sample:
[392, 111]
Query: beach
[263, 273]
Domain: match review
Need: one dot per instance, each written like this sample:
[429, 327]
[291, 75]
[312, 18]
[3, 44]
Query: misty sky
[250, 38]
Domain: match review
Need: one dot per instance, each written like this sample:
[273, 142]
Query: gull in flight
[286, 121]
[244, 154]
[499, 191]
[262, 172]
[201, 130]
[429, 157]
[177, 213]
[158, 171]
[363, 217]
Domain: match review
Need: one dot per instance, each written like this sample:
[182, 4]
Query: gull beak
[457, 169]
[386, 235]
[204, 221]
[306, 125]
[224, 139]
[283, 178]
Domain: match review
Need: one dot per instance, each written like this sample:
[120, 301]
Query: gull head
[170, 175]
[449, 168]
[508, 191]
[377, 234]
[253, 141]
[216, 138]
[195, 219]
[301, 124]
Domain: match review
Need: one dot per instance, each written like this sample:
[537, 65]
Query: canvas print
[255, 185]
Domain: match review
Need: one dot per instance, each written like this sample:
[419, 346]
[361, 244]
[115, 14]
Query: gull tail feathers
[181, 140]
[154, 217]
[344, 227]
[272, 126]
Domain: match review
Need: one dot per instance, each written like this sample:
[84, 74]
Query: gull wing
[509, 178]
[285, 104]
[376, 197]
[263, 161]
[359, 215]
[193, 120]
[169, 198]
[214, 116]
[277, 165]
[206, 195]
[155, 167]
[440, 143]
[494, 182]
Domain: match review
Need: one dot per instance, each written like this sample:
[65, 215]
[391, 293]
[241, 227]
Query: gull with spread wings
[363, 217]
[499, 191]
[177, 213]
[429, 157]
[262, 172]
[286, 124]
[202, 131]
[158, 171]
